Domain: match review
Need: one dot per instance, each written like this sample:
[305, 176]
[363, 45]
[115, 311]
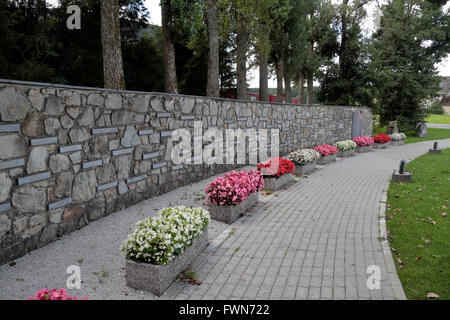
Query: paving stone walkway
[314, 240]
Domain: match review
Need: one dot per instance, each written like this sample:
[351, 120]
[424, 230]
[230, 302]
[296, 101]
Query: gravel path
[313, 240]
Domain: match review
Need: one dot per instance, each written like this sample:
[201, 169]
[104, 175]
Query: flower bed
[163, 246]
[47, 294]
[363, 144]
[381, 141]
[346, 148]
[276, 173]
[304, 160]
[230, 196]
[327, 152]
[397, 139]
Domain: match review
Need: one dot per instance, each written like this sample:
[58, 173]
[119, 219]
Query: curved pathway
[314, 240]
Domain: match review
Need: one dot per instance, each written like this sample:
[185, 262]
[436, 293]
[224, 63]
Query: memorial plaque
[357, 124]
[159, 165]
[9, 128]
[44, 141]
[100, 131]
[164, 115]
[59, 204]
[183, 118]
[92, 164]
[145, 132]
[73, 148]
[150, 156]
[176, 168]
[167, 133]
[34, 178]
[12, 163]
[137, 179]
[5, 206]
[107, 186]
[122, 152]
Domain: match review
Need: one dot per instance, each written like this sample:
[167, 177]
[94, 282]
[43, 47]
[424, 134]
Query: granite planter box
[230, 214]
[274, 184]
[156, 279]
[363, 149]
[380, 145]
[346, 154]
[305, 169]
[326, 160]
[396, 143]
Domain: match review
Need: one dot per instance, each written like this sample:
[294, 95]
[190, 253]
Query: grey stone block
[274, 184]
[346, 154]
[363, 149]
[156, 279]
[326, 160]
[305, 169]
[229, 214]
[380, 145]
[396, 143]
[406, 177]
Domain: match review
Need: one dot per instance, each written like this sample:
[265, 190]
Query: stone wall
[71, 155]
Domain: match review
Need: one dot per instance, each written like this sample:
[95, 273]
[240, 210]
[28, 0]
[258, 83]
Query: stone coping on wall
[65, 86]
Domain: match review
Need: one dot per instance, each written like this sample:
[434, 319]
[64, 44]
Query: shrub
[363, 141]
[382, 138]
[305, 156]
[47, 294]
[345, 145]
[234, 187]
[276, 167]
[161, 239]
[397, 136]
[326, 150]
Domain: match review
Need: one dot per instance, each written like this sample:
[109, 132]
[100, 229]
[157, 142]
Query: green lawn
[433, 134]
[439, 119]
[419, 228]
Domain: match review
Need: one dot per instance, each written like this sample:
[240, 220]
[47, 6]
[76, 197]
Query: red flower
[276, 167]
[381, 138]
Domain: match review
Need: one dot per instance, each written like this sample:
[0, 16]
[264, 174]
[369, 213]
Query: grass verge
[438, 119]
[418, 227]
[433, 134]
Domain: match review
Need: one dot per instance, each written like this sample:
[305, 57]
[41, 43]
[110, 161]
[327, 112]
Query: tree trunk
[212, 89]
[170, 72]
[301, 87]
[263, 75]
[287, 85]
[280, 71]
[241, 65]
[111, 46]
[309, 95]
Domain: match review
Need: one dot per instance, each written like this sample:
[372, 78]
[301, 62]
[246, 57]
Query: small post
[435, 149]
[402, 167]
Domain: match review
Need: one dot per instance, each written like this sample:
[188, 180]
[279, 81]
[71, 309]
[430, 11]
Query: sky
[368, 25]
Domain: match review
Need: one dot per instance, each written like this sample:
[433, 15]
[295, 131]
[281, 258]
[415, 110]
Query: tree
[213, 55]
[111, 45]
[170, 72]
[413, 37]
[347, 82]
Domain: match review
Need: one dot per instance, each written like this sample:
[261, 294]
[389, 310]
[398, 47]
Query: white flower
[159, 239]
[305, 156]
[397, 136]
[345, 145]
